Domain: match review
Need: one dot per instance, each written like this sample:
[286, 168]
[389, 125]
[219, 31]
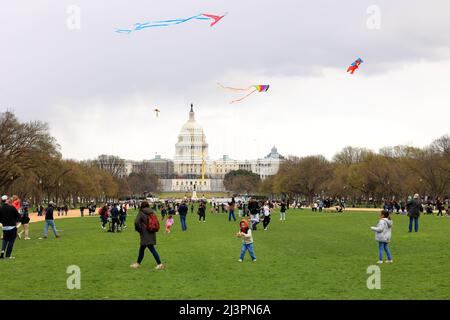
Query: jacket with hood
[383, 231]
[414, 208]
[147, 237]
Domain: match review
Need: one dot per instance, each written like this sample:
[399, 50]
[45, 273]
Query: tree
[242, 181]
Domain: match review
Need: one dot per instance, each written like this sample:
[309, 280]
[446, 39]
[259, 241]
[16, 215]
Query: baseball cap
[4, 198]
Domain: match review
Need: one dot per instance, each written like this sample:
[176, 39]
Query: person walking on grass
[182, 211]
[123, 216]
[439, 207]
[169, 223]
[267, 211]
[414, 208]
[247, 240]
[231, 206]
[383, 233]
[202, 211]
[147, 225]
[8, 219]
[49, 220]
[25, 221]
[283, 210]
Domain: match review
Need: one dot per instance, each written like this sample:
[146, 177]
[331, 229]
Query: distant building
[192, 161]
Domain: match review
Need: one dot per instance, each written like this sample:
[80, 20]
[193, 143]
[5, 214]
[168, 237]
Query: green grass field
[309, 256]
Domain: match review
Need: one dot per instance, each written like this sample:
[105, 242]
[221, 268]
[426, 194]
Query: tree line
[32, 167]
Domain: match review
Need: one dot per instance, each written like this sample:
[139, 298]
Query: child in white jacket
[383, 232]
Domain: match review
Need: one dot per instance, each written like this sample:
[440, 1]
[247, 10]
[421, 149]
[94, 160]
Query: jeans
[152, 250]
[384, 246]
[254, 223]
[416, 224]
[231, 214]
[9, 236]
[202, 216]
[248, 247]
[52, 224]
[183, 222]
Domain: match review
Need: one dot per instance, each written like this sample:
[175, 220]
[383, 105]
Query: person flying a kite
[354, 65]
[166, 23]
[250, 90]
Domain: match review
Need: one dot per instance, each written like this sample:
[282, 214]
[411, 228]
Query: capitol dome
[191, 146]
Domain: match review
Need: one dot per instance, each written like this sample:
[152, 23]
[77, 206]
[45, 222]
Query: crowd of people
[15, 220]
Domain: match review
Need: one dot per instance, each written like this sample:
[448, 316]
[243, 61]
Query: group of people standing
[14, 215]
[115, 214]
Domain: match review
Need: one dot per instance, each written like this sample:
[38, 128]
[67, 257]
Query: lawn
[309, 256]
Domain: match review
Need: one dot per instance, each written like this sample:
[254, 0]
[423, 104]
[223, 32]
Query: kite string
[243, 97]
[235, 89]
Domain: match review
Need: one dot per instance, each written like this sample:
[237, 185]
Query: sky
[63, 63]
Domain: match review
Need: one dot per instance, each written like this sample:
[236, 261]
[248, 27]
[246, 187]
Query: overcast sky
[97, 89]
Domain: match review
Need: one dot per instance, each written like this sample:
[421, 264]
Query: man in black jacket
[49, 220]
[114, 218]
[8, 218]
[182, 211]
[414, 208]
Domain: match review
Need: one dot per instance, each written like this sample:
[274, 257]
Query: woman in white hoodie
[383, 232]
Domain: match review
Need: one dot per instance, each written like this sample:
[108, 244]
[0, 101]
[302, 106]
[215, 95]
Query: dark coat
[414, 208]
[147, 237]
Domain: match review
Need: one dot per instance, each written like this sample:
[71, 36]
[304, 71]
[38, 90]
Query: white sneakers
[240, 260]
[160, 267]
[135, 265]
[387, 261]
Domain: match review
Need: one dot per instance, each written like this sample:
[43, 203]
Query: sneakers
[160, 267]
[254, 260]
[389, 261]
[135, 265]
[240, 260]
[27, 238]
[380, 262]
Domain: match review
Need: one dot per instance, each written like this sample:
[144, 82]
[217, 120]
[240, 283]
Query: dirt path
[70, 214]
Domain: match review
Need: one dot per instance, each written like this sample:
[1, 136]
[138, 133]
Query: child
[247, 240]
[383, 233]
[169, 223]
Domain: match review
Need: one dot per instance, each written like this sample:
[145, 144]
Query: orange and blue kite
[252, 89]
[354, 65]
[166, 23]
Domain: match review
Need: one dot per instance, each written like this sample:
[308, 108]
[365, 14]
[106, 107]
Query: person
[202, 212]
[283, 210]
[82, 210]
[15, 201]
[49, 220]
[59, 210]
[239, 206]
[8, 218]
[414, 207]
[383, 233]
[25, 221]
[66, 209]
[169, 223]
[147, 237]
[192, 207]
[439, 207]
[123, 216]
[40, 210]
[114, 218]
[267, 211]
[103, 212]
[182, 211]
[163, 212]
[247, 240]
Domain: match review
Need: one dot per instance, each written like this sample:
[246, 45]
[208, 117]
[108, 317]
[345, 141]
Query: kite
[354, 65]
[166, 23]
[157, 112]
[250, 90]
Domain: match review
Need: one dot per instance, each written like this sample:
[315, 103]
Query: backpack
[153, 223]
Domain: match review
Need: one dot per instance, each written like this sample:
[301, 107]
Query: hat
[4, 198]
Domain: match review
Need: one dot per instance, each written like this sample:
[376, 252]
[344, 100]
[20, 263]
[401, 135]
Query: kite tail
[240, 99]
[234, 89]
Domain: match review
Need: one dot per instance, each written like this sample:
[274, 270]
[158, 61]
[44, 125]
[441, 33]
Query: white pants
[282, 215]
[240, 213]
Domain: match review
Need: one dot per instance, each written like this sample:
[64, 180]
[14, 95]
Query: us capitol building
[193, 170]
